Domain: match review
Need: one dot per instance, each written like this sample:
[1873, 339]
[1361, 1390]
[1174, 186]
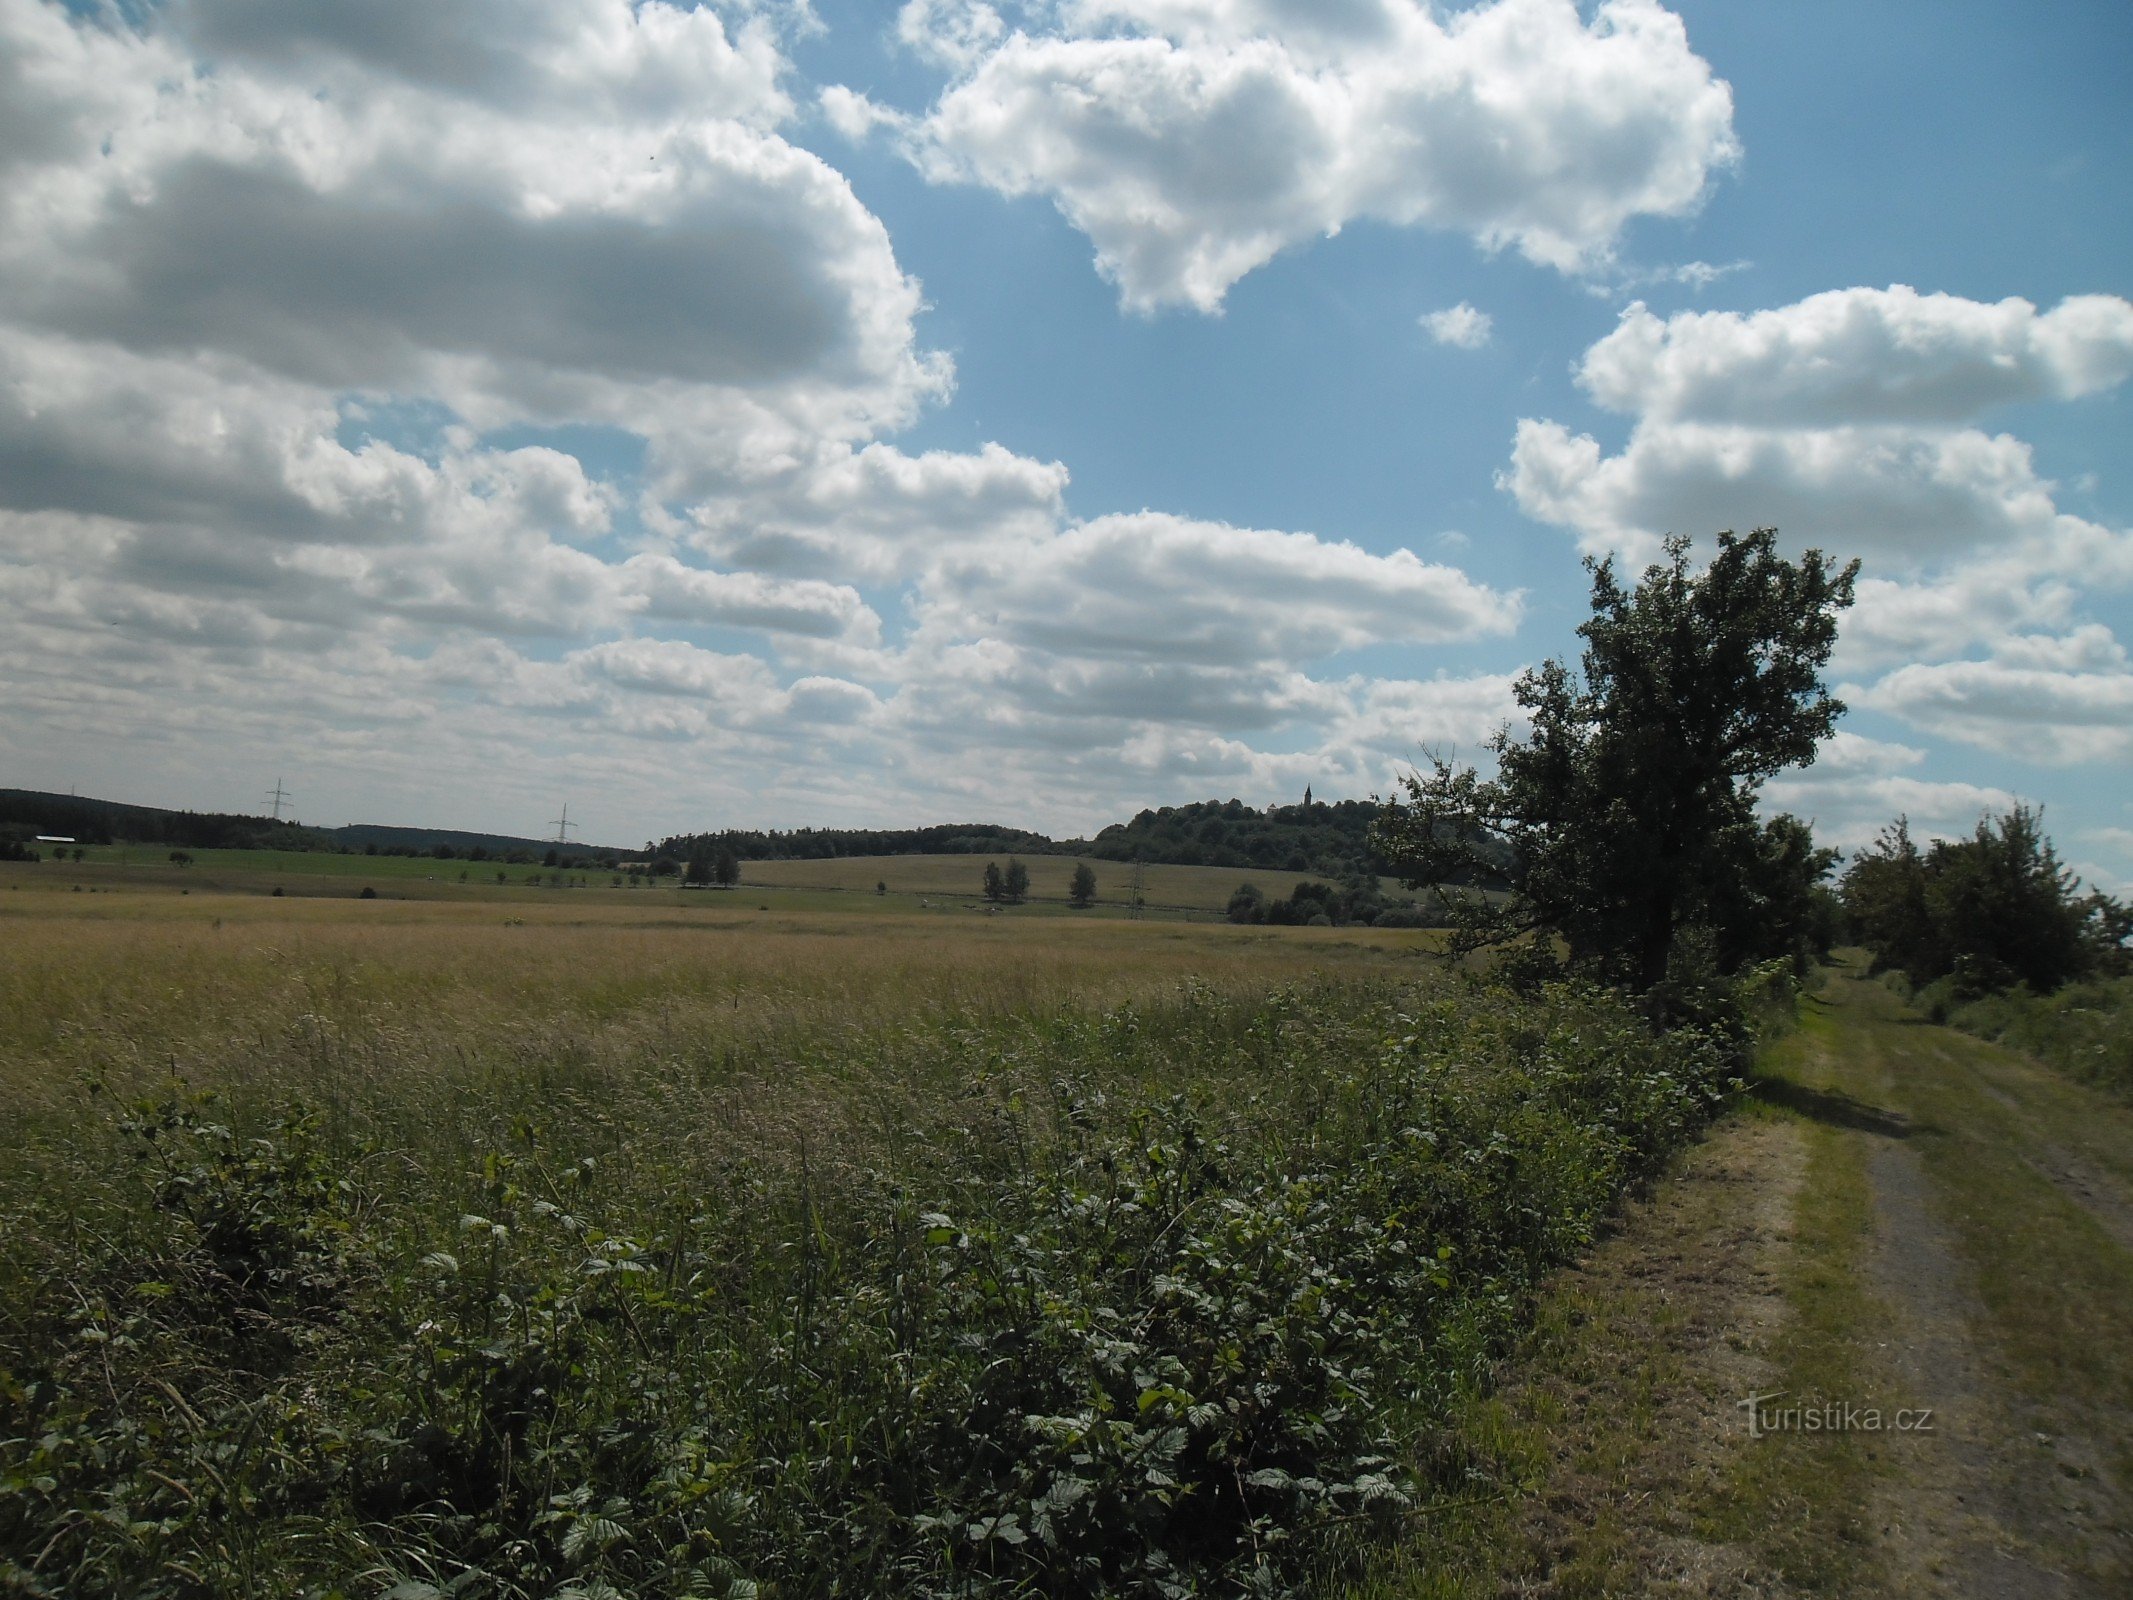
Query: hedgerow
[1131, 1309]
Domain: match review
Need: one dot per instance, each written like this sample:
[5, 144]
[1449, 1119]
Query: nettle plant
[1151, 1305]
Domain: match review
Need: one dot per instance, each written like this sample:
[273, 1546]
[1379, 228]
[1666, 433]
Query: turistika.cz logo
[1829, 1416]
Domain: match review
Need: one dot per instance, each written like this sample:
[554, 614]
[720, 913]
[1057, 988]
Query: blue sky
[762, 415]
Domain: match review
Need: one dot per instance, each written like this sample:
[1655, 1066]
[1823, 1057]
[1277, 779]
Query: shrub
[1159, 1305]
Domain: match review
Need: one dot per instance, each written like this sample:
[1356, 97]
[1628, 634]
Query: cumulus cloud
[1846, 419]
[1460, 326]
[1851, 421]
[2053, 700]
[1193, 140]
[1857, 786]
[420, 200]
[1859, 357]
[484, 391]
[1155, 587]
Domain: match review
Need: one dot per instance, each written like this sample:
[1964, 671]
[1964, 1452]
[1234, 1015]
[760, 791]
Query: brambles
[1144, 1300]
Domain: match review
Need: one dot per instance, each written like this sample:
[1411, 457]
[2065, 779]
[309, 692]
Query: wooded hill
[1329, 839]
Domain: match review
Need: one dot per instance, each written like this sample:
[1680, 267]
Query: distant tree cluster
[1010, 887]
[1357, 903]
[1330, 839]
[823, 844]
[1993, 911]
[711, 866]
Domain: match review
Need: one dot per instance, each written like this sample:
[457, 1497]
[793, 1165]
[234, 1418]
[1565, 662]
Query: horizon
[764, 415]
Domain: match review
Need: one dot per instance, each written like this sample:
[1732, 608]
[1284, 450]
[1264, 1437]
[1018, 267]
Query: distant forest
[1331, 840]
[26, 813]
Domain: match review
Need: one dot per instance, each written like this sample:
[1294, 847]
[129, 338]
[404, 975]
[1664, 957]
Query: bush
[2085, 1030]
[1163, 1305]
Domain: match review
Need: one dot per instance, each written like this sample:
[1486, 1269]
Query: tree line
[1994, 912]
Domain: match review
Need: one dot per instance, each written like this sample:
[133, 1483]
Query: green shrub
[1150, 1304]
[2085, 1029]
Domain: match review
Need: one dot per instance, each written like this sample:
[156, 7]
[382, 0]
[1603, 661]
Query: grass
[509, 1246]
[246, 988]
[2085, 1029]
[1801, 1500]
[1166, 889]
[915, 885]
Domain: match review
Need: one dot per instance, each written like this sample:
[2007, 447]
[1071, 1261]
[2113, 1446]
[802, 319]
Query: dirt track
[1906, 1219]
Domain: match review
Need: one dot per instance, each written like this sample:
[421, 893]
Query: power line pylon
[563, 825]
[279, 797]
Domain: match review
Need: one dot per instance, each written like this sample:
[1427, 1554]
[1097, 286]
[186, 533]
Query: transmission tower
[563, 825]
[278, 797]
[1138, 900]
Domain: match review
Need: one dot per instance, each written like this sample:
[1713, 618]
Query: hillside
[25, 813]
[1326, 840]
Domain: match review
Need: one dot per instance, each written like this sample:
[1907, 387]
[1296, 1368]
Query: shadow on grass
[1832, 1107]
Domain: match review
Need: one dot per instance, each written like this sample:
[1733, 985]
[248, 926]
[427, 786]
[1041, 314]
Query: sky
[772, 414]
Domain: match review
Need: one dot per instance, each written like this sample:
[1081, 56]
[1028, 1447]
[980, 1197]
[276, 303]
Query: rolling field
[1167, 890]
[504, 1242]
[914, 884]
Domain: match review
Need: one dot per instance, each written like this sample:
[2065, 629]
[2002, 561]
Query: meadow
[908, 884]
[524, 1242]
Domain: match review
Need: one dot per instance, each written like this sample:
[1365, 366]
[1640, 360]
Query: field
[912, 884]
[510, 1242]
[502, 1241]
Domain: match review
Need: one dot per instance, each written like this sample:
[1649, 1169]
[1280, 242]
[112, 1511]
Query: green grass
[682, 1251]
[915, 885]
[2085, 1030]
[1801, 1500]
[1166, 889]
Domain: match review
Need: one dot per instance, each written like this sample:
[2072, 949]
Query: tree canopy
[1628, 811]
[1991, 911]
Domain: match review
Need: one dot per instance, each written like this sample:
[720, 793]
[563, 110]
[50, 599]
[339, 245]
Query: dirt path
[1903, 1220]
[2019, 1489]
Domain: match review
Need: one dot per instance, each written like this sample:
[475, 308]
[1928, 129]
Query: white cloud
[1460, 326]
[1849, 420]
[2012, 704]
[1193, 140]
[1153, 587]
[1859, 357]
[478, 212]
[276, 283]
[1857, 786]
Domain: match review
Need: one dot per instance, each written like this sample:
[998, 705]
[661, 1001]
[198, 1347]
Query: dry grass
[1165, 888]
[428, 997]
[847, 884]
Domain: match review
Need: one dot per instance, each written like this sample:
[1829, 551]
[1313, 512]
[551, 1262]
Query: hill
[25, 813]
[1327, 840]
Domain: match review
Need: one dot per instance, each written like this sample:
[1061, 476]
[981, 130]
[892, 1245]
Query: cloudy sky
[765, 413]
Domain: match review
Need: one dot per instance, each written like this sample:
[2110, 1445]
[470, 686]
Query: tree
[1017, 881]
[995, 885]
[727, 869]
[700, 865]
[1083, 887]
[1991, 911]
[1629, 810]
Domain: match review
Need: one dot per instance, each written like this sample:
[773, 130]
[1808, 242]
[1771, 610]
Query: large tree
[1629, 809]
